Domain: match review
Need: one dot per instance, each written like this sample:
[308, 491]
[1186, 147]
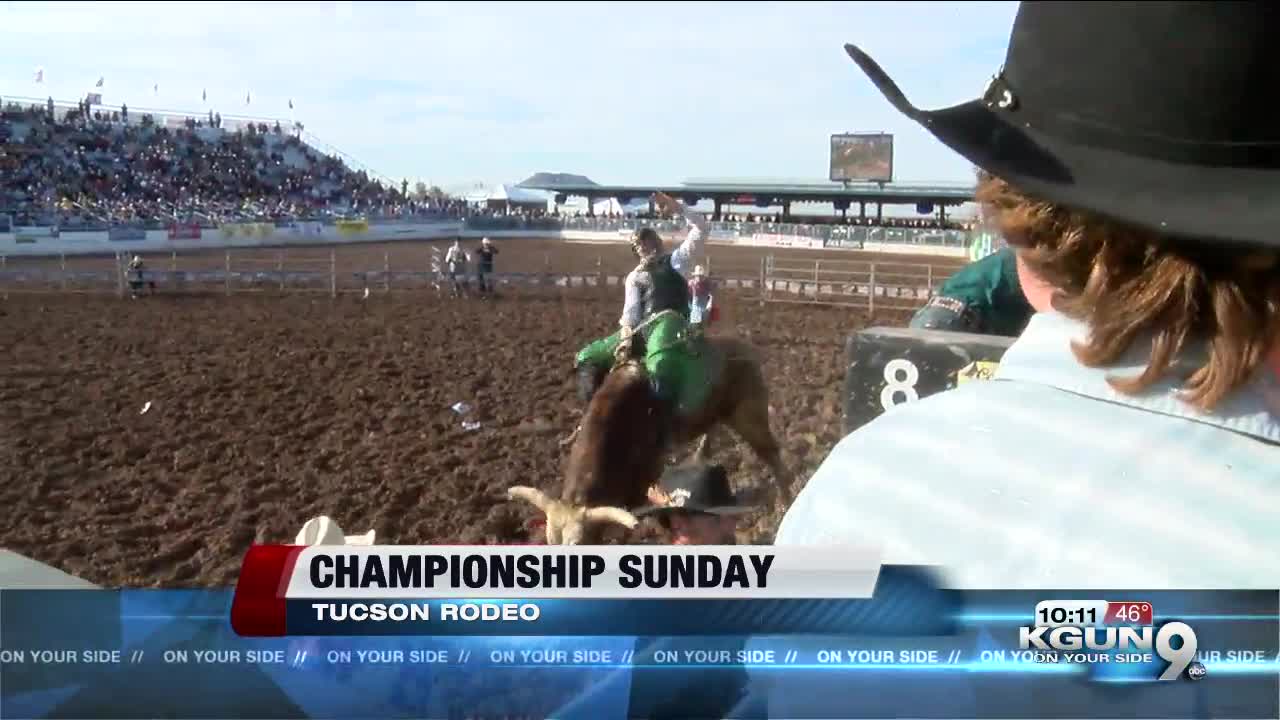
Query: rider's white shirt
[681, 259]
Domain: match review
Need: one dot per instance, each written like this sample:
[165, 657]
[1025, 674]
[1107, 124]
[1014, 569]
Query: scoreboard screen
[862, 157]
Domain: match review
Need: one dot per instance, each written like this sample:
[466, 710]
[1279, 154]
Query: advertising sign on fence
[306, 228]
[184, 231]
[847, 243]
[28, 234]
[247, 229]
[124, 233]
[770, 240]
[352, 227]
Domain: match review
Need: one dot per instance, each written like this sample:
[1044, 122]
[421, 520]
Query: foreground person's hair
[1125, 282]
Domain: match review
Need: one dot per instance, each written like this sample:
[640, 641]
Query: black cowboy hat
[1158, 114]
[694, 489]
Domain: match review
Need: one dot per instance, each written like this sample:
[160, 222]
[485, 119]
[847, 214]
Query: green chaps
[673, 358]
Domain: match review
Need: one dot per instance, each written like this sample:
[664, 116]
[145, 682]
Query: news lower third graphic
[908, 649]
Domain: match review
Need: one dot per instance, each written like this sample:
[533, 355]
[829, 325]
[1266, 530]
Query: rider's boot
[590, 378]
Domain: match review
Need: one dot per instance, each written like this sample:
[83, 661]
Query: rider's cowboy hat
[324, 531]
[699, 271]
[1159, 114]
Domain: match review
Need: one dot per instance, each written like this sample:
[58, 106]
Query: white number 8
[900, 376]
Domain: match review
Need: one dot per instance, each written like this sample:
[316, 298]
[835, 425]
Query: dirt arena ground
[266, 409]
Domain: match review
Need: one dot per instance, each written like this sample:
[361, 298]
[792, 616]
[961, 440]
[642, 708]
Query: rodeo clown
[656, 306]
[983, 297]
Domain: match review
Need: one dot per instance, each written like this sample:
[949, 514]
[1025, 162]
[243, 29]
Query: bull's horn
[533, 496]
[611, 514]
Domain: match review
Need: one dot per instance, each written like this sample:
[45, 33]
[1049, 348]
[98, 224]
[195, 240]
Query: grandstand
[83, 167]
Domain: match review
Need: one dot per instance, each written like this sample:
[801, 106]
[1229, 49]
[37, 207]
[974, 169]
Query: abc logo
[1196, 671]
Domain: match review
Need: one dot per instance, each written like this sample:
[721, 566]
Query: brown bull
[618, 453]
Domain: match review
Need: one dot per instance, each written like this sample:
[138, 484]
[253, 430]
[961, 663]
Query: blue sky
[461, 93]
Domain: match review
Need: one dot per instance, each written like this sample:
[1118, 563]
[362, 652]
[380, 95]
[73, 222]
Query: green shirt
[983, 297]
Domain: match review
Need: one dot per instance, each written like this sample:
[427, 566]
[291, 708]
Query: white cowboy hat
[324, 531]
[699, 271]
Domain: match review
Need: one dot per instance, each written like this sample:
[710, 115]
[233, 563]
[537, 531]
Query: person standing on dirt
[456, 261]
[136, 275]
[982, 297]
[484, 265]
[656, 307]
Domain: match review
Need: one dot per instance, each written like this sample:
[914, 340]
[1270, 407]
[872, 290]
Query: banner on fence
[843, 243]
[306, 228]
[261, 230]
[124, 233]
[771, 240]
[29, 234]
[352, 227]
[184, 231]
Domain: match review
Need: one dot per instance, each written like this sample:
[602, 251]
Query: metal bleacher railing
[830, 235]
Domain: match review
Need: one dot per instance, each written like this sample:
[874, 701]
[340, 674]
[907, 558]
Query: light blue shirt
[1045, 477]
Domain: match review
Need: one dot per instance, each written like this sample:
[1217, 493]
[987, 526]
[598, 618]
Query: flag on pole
[204, 96]
[246, 98]
[40, 75]
[290, 103]
[155, 89]
[101, 80]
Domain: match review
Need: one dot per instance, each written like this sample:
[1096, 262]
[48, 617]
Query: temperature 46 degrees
[1129, 613]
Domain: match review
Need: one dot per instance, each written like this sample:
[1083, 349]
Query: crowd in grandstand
[84, 166]
[78, 167]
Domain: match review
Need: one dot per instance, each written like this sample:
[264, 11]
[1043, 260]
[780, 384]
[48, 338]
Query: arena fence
[775, 278]
[853, 283]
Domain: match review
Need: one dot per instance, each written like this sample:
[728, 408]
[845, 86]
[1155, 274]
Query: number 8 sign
[900, 378]
[895, 366]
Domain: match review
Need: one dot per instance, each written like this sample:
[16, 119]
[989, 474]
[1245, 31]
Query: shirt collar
[1042, 355]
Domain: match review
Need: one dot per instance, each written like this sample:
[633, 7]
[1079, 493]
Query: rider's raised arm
[682, 258]
[631, 304]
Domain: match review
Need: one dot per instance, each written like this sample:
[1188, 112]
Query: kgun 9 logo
[1088, 644]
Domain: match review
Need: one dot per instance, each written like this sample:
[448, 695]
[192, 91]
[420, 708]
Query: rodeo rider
[656, 308]
[1137, 183]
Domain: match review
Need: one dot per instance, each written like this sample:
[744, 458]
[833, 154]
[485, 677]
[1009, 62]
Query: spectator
[1152, 367]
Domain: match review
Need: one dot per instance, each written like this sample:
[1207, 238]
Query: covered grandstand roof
[511, 193]
[749, 190]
